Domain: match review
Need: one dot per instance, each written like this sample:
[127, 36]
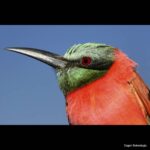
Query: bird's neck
[105, 100]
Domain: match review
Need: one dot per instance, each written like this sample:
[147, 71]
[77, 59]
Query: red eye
[86, 61]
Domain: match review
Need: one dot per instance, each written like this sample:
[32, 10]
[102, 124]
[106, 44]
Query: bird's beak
[49, 58]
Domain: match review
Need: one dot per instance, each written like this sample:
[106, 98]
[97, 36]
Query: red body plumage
[111, 99]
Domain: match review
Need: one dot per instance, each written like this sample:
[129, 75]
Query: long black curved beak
[49, 58]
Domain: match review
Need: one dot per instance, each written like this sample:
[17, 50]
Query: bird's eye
[86, 61]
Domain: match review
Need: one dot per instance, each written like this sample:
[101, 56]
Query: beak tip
[10, 48]
[7, 48]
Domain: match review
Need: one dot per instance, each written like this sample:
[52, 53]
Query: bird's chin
[75, 78]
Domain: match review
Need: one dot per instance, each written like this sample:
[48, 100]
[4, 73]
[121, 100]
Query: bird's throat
[75, 78]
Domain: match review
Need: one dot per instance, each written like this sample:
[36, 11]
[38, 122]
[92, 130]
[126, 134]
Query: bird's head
[81, 64]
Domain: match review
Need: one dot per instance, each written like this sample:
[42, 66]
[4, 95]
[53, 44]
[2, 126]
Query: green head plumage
[81, 64]
[91, 61]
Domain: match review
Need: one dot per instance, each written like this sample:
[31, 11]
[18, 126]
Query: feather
[142, 94]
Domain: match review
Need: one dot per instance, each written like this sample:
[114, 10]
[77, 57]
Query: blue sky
[29, 93]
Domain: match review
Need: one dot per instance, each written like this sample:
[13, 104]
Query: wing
[142, 94]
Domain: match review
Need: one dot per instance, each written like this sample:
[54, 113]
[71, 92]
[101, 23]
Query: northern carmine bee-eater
[100, 84]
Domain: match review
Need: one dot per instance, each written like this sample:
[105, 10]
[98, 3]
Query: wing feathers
[142, 93]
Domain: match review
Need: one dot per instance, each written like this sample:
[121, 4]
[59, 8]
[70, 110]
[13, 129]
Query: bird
[100, 84]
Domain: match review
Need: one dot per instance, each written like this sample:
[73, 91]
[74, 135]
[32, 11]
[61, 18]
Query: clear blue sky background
[29, 93]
